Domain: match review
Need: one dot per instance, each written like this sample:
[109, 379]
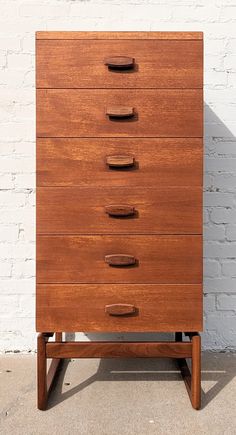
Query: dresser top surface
[118, 35]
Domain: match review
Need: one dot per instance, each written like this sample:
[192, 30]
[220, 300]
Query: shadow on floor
[216, 370]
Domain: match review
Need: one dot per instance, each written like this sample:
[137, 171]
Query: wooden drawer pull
[119, 62]
[119, 210]
[119, 309]
[120, 111]
[120, 161]
[120, 260]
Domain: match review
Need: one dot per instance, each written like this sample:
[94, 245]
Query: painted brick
[229, 268]
[5, 269]
[214, 232]
[231, 232]
[226, 302]
[29, 9]
[219, 285]
[9, 233]
[223, 215]
[209, 303]
[212, 268]
[219, 199]
[219, 250]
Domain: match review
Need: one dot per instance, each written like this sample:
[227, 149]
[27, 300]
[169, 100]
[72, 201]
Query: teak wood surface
[84, 282]
[118, 35]
[77, 210]
[160, 259]
[157, 64]
[82, 113]
[81, 307]
[159, 162]
[119, 350]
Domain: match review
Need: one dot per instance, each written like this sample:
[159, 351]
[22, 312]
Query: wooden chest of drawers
[119, 184]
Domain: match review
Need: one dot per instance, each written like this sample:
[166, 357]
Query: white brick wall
[18, 21]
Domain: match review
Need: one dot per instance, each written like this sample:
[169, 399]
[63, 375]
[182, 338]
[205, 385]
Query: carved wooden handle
[120, 111]
[119, 309]
[119, 210]
[120, 161]
[119, 62]
[120, 260]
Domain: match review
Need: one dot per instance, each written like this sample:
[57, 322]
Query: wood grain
[158, 64]
[117, 35]
[82, 162]
[82, 113]
[81, 307]
[116, 349]
[81, 259]
[74, 210]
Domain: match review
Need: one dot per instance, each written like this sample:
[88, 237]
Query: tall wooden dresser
[119, 195]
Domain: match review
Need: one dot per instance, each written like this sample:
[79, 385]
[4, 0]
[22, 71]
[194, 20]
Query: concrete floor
[106, 397]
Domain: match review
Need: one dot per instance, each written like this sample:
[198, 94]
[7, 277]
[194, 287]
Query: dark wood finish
[158, 162]
[118, 161]
[119, 309]
[160, 259]
[158, 64]
[119, 62]
[119, 111]
[76, 210]
[82, 113]
[80, 307]
[118, 35]
[116, 349]
[120, 210]
[120, 260]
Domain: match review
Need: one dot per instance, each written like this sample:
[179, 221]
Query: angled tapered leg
[193, 380]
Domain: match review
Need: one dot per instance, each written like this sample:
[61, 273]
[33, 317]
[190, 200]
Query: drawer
[83, 162]
[163, 308]
[68, 210]
[84, 259]
[149, 113]
[133, 63]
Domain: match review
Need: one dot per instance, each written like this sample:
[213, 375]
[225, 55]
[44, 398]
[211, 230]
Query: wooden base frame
[59, 350]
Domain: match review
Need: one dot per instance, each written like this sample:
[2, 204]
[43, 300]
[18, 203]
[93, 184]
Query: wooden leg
[42, 372]
[196, 372]
[45, 380]
[58, 336]
[60, 350]
[193, 380]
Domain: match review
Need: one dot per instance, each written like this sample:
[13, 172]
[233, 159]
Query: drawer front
[119, 210]
[150, 113]
[84, 307]
[84, 259]
[83, 162]
[150, 64]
